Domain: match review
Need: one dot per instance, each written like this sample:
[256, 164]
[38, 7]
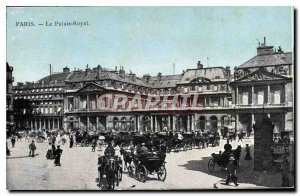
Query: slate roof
[91, 75]
[167, 81]
[211, 73]
[60, 77]
[269, 59]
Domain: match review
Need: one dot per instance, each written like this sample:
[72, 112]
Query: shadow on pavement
[20, 157]
[245, 173]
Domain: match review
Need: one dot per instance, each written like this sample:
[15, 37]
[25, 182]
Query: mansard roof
[91, 75]
[211, 73]
[168, 81]
[59, 77]
[269, 60]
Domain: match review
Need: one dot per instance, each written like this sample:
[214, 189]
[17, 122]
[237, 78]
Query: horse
[127, 157]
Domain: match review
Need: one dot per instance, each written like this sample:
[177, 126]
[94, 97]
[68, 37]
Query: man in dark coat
[231, 169]
[32, 148]
[71, 141]
[109, 151]
[57, 154]
[13, 141]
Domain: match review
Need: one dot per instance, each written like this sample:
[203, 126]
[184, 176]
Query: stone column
[44, 123]
[88, 102]
[174, 122]
[87, 123]
[253, 96]
[237, 122]
[193, 122]
[58, 122]
[53, 123]
[205, 102]
[188, 123]
[49, 123]
[35, 123]
[169, 122]
[97, 122]
[253, 121]
[40, 124]
[269, 96]
[138, 122]
[151, 123]
[237, 96]
[79, 123]
[106, 123]
[155, 123]
[31, 125]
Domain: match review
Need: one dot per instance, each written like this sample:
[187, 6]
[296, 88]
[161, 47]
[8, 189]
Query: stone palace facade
[199, 99]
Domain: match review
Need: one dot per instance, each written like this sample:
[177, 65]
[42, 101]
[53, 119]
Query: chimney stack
[147, 78]
[66, 70]
[99, 71]
[199, 65]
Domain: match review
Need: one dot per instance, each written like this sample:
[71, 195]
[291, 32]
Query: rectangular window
[200, 89]
[215, 88]
[260, 97]
[245, 98]
[208, 87]
[277, 97]
[185, 90]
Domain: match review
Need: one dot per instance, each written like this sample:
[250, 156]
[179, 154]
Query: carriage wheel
[142, 173]
[177, 149]
[199, 145]
[162, 173]
[211, 165]
[117, 178]
[185, 147]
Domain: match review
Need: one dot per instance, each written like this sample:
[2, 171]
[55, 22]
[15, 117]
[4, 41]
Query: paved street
[185, 170]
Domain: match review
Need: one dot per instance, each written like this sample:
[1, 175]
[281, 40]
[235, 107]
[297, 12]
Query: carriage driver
[109, 151]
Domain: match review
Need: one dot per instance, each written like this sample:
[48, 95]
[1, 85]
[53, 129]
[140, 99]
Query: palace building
[264, 84]
[198, 99]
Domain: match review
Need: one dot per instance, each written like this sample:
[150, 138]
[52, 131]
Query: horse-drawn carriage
[145, 165]
[222, 159]
[110, 169]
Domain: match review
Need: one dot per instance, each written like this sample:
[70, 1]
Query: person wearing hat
[57, 154]
[109, 151]
[32, 148]
[232, 170]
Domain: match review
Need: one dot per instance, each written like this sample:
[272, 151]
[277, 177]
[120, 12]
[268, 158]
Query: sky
[144, 40]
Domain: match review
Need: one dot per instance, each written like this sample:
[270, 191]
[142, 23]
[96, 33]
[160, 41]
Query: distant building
[46, 98]
[9, 98]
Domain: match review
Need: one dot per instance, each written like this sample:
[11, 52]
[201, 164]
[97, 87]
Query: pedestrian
[285, 170]
[240, 135]
[7, 150]
[94, 143]
[232, 171]
[57, 154]
[32, 148]
[49, 154]
[71, 141]
[13, 141]
[248, 154]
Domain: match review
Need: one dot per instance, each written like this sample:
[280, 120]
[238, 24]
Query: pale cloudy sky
[142, 39]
